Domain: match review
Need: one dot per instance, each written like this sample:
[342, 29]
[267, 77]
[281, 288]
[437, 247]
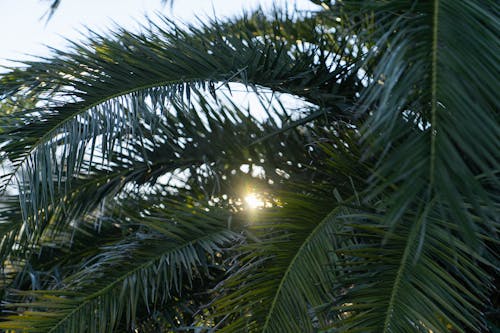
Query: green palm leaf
[423, 115]
[424, 277]
[436, 141]
[100, 93]
[286, 275]
[413, 249]
[144, 269]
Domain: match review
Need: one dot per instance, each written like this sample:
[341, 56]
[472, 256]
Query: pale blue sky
[24, 33]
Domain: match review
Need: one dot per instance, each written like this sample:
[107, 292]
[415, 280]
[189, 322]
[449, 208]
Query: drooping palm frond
[287, 275]
[432, 99]
[426, 284]
[433, 126]
[284, 275]
[412, 249]
[212, 139]
[145, 269]
[182, 138]
[99, 94]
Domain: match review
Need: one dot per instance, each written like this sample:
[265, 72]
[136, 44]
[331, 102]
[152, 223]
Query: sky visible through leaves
[26, 32]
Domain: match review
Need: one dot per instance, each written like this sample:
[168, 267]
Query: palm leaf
[286, 275]
[100, 93]
[145, 268]
[426, 122]
[432, 126]
[436, 283]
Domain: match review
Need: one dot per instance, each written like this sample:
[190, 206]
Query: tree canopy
[357, 192]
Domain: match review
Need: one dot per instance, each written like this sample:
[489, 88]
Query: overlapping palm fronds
[166, 252]
[433, 126]
[379, 184]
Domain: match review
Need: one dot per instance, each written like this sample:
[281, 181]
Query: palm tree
[123, 200]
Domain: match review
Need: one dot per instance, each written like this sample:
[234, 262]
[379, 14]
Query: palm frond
[432, 125]
[286, 275]
[99, 95]
[427, 121]
[412, 249]
[185, 143]
[144, 269]
[424, 277]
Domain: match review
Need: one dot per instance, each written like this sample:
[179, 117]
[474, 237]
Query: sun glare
[253, 201]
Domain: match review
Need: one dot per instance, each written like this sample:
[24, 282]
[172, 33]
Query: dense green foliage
[370, 148]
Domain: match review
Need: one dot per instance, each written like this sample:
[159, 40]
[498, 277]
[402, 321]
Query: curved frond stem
[120, 279]
[411, 243]
[77, 312]
[308, 241]
[434, 101]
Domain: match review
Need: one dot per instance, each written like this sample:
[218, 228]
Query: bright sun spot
[253, 201]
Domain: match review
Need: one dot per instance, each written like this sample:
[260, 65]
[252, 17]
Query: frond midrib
[433, 141]
[410, 244]
[313, 232]
[434, 60]
[110, 286]
[47, 136]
